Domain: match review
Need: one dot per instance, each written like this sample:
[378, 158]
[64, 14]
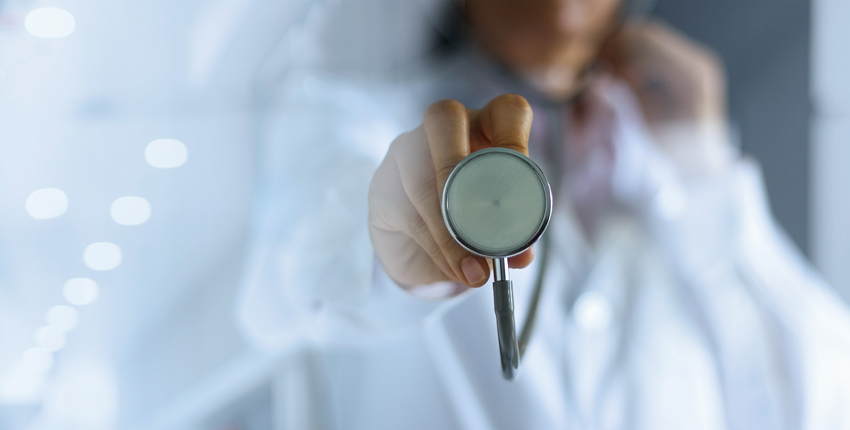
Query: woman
[670, 299]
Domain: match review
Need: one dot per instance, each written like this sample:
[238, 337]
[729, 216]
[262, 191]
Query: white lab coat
[685, 306]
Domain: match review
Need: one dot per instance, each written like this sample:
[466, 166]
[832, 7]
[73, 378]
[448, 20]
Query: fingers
[453, 132]
[446, 135]
[446, 126]
[406, 222]
[676, 79]
[654, 42]
[394, 221]
[505, 122]
[522, 260]
[405, 261]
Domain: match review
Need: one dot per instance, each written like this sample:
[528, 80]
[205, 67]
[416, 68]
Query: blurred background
[132, 143]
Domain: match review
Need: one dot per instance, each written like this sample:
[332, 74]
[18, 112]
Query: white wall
[831, 142]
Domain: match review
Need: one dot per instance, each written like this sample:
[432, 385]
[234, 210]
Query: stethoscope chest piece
[496, 204]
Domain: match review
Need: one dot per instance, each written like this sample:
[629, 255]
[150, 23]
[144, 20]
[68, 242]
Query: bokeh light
[37, 360]
[21, 386]
[50, 22]
[86, 393]
[50, 338]
[166, 153]
[102, 256]
[80, 291]
[671, 201]
[63, 317]
[46, 203]
[130, 210]
[593, 311]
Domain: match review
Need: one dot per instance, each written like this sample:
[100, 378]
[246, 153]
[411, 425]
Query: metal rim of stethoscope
[511, 345]
[541, 227]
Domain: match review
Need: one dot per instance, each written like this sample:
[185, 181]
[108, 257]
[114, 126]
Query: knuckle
[417, 225]
[426, 242]
[403, 140]
[380, 221]
[444, 109]
[422, 234]
[515, 141]
[444, 169]
[424, 191]
[514, 102]
[450, 247]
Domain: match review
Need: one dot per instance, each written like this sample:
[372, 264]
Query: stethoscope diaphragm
[496, 204]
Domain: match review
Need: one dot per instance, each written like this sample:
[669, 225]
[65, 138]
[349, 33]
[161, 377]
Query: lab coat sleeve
[815, 321]
[779, 333]
[749, 281]
[311, 272]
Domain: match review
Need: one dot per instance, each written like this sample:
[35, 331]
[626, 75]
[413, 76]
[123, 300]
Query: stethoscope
[496, 204]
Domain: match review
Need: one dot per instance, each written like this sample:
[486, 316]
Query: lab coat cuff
[394, 303]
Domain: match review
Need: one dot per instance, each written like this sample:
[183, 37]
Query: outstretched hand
[405, 218]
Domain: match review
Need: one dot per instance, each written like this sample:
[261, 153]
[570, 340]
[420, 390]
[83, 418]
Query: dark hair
[450, 28]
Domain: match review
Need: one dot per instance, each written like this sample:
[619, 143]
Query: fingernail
[472, 270]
